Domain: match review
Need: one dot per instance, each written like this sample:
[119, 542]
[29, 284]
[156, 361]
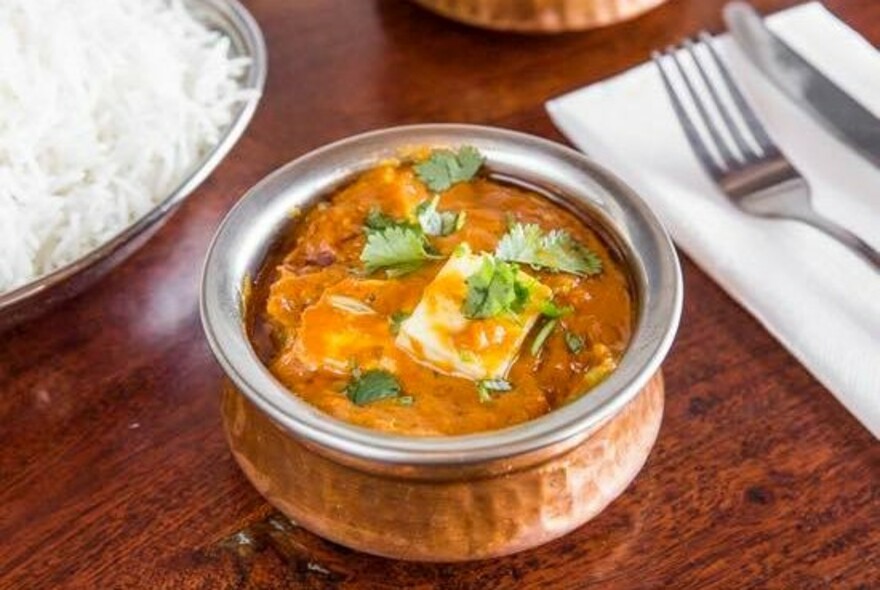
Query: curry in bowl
[436, 345]
[429, 297]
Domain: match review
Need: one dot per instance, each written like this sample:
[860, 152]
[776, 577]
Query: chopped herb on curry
[444, 168]
[396, 249]
[371, 386]
[486, 387]
[541, 336]
[555, 250]
[438, 223]
[494, 289]
[376, 220]
[574, 342]
[397, 318]
[551, 310]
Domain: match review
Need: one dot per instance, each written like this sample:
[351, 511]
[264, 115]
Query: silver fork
[759, 181]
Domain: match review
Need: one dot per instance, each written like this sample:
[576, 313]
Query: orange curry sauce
[322, 252]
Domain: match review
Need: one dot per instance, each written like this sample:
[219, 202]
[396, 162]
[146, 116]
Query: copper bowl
[443, 498]
[540, 16]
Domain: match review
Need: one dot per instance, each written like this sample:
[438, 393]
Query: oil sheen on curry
[426, 298]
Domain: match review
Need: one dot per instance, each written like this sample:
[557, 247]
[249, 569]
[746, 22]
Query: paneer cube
[438, 334]
[343, 328]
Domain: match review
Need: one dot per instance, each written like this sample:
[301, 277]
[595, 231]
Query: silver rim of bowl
[252, 226]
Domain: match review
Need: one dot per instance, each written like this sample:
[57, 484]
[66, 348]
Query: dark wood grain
[114, 472]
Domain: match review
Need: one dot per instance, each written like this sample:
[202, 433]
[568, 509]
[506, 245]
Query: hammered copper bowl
[443, 498]
[540, 16]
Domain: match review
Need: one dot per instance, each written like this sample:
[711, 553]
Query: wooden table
[114, 472]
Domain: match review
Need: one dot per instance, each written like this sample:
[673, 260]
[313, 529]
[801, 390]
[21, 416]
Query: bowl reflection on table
[447, 498]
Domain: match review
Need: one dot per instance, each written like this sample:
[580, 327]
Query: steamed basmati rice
[104, 107]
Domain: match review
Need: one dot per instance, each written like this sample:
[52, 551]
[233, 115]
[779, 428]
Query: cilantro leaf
[398, 249]
[494, 289]
[553, 311]
[371, 386]
[574, 342]
[444, 168]
[397, 318]
[522, 241]
[486, 386]
[471, 160]
[438, 223]
[377, 220]
[570, 255]
[542, 336]
[556, 250]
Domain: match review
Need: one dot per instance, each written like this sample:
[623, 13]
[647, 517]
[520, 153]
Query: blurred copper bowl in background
[458, 497]
[540, 16]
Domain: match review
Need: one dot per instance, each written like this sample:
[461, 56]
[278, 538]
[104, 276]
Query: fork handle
[842, 235]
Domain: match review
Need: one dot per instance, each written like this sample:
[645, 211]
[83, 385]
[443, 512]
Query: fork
[755, 175]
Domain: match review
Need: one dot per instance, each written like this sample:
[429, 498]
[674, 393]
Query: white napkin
[813, 295]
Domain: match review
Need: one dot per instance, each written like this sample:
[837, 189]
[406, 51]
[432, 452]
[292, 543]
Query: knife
[837, 111]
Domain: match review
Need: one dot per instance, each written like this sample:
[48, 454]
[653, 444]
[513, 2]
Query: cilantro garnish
[494, 289]
[438, 223]
[397, 318]
[553, 311]
[371, 386]
[486, 386]
[461, 249]
[377, 220]
[443, 168]
[574, 342]
[397, 249]
[542, 336]
[556, 250]
[467, 356]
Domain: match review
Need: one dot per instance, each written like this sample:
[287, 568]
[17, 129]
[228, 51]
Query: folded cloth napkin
[818, 299]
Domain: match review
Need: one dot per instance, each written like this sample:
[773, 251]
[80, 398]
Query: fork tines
[721, 127]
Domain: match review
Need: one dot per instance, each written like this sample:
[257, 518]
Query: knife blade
[836, 110]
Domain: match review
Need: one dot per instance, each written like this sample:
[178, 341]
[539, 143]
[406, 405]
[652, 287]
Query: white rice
[104, 106]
